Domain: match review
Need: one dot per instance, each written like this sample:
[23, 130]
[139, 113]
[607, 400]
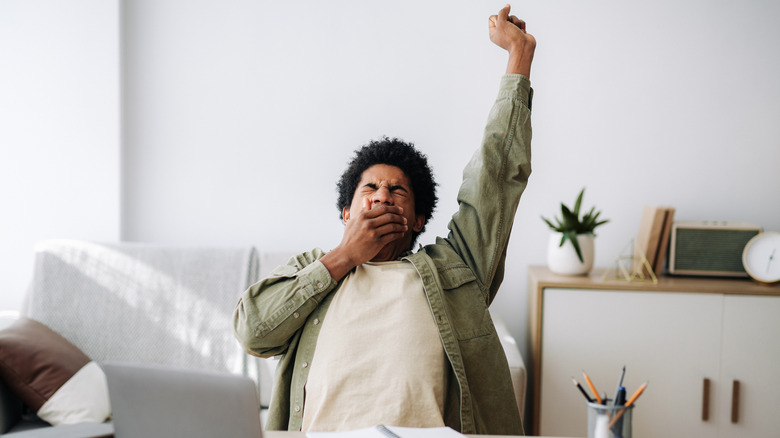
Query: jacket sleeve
[270, 312]
[493, 182]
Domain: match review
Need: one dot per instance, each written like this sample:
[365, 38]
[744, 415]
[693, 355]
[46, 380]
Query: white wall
[239, 116]
[59, 129]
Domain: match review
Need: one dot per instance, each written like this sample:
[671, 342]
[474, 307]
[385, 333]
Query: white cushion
[83, 398]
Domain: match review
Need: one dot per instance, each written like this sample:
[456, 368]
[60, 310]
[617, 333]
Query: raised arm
[497, 175]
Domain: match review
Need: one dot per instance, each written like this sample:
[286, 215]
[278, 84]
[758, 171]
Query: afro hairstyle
[398, 153]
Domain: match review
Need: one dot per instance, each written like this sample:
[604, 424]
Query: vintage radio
[709, 248]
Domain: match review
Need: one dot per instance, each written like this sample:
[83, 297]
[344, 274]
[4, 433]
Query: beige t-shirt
[379, 357]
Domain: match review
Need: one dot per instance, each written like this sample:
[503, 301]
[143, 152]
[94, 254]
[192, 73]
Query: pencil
[582, 390]
[592, 388]
[630, 402]
[636, 394]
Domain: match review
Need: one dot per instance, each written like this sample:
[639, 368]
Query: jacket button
[305, 364]
[297, 409]
[316, 321]
[295, 315]
[319, 285]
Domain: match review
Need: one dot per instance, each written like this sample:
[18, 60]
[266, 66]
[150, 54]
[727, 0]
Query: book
[380, 431]
[648, 238]
[663, 245]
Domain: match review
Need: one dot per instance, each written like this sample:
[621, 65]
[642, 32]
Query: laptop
[155, 401]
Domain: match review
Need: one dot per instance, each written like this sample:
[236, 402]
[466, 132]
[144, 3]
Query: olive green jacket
[282, 314]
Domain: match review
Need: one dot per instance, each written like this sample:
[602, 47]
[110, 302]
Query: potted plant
[576, 258]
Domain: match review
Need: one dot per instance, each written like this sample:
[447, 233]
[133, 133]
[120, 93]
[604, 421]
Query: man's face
[382, 184]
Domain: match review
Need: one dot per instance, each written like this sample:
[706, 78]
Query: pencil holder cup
[608, 421]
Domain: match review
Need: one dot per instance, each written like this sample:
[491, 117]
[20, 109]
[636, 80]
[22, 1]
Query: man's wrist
[337, 264]
[518, 64]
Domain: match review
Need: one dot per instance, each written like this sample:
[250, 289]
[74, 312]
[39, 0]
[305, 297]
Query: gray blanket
[144, 303]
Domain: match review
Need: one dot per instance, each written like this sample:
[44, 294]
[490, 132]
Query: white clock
[761, 257]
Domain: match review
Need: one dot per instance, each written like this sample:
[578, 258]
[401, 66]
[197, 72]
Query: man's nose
[382, 196]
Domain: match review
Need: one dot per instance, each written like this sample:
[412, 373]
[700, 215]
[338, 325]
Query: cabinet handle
[735, 401]
[705, 401]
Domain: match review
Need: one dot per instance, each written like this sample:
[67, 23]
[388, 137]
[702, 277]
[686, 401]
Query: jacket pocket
[465, 303]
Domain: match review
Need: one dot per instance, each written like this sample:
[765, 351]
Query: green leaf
[576, 244]
[578, 202]
[549, 224]
[588, 220]
[570, 220]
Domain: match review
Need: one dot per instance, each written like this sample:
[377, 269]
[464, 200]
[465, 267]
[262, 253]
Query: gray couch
[153, 304]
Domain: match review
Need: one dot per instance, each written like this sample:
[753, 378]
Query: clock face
[761, 257]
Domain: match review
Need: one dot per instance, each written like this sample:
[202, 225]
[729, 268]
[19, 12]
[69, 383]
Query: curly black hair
[398, 153]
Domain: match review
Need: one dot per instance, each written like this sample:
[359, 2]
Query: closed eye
[369, 188]
[399, 189]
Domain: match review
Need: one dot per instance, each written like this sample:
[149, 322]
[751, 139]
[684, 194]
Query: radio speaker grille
[718, 251]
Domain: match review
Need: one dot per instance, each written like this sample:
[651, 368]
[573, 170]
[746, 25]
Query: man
[372, 333]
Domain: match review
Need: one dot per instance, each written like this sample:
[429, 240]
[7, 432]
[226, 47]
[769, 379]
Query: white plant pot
[563, 259]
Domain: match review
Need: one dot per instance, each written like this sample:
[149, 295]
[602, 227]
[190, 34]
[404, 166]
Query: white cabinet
[674, 334]
[751, 356]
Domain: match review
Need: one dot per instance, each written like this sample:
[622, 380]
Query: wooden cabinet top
[541, 277]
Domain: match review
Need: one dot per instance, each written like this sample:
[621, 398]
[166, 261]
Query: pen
[620, 398]
[630, 402]
[592, 388]
[582, 390]
[619, 385]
